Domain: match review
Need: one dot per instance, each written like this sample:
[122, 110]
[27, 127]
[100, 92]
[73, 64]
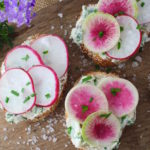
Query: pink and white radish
[117, 7]
[101, 129]
[53, 51]
[121, 94]
[22, 57]
[130, 39]
[46, 85]
[17, 93]
[83, 100]
[144, 11]
[101, 32]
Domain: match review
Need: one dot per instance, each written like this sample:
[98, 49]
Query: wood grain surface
[18, 137]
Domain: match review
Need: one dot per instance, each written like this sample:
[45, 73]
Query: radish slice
[53, 51]
[121, 94]
[17, 93]
[144, 11]
[22, 57]
[83, 100]
[46, 85]
[130, 39]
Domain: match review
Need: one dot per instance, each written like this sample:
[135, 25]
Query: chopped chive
[121, 28]
[121, 12]
[139, 27]
[123, 118]
[142, 4]
[91, 99]
[95, 81]
[69, 130]
[28, 83]
[22, 90]
[26, 58]
[7, 99]
[86, 79]
[105, 115]
[14, 92]
[101, 34]
[45, 52]
[33, 95]
[84, 108]
[26, 99]
[119, 45]
[114, 91]
[47, 95]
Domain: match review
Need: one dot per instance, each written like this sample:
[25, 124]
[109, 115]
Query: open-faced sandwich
[112, 31]
[33, 77]
[98, 108]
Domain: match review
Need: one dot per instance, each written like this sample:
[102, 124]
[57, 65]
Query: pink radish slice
[101, 129]
[115, 7]
[101, 32]
[17, 93]
[130, 39]
[121, 94]
[22, 57]
[144, 11]
[83, 100]
[53, 51]
[46, 85]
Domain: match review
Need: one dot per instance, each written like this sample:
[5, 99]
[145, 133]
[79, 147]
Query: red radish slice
[46, 85]
[121, 94]
[130, 39]
[101, 32]
[144, 11]
[17, 93]
[101, 129]
[22, 57]
[53, 51]
[116, 7]
[83, 100]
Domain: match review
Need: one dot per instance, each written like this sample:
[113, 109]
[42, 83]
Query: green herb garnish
[32, 95]
[91, 99]
[26, 99]
[22, 90]
[119, 45]
[7, 99]
[114, 91]
[121, 28]
[26, 58]
[28, 83]
[47, 95]
[101, 34]
[45, 52]
[139, 27]
[105, 115]
[95, 81]
[142, 4]
[86, 79]
[69, 130]
[84, 108]
[108, 70]
[97, 67]
[123, 118]
[14, 92]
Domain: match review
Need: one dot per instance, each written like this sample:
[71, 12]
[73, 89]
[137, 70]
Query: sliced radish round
[130, 39]
[53, 51]
[121, 94]
[101, 129]
[22, 57]
[46, 85]
[116, 7]
[144, 11]
[83, 100]
[17, 93]
[101, 32]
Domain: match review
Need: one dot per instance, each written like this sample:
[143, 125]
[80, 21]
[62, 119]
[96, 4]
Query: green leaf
[45, 52]
[28, 83]
[119, 45]
[86, 79]
[47, 95]
[105, 115]
[26, 99]
[114, 91]
[69, 130]
[84, 108]
[121, 28]
[142, 4]
[14, 92]
[7, 99]
[26, 58]
[123, 118]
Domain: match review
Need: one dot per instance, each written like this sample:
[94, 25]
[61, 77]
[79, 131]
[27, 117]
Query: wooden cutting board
[26, 136]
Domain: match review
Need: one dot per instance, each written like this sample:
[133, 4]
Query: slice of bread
[62, 83]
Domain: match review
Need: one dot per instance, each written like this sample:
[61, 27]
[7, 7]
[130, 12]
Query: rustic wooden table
[50, 134]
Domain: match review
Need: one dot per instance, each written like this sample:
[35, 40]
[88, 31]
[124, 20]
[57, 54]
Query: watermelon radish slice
[53, 51]
[17, 93]
[83, 100]
[117, 7]
[46, 85]
[130, 39]
[144, 11]
[121, 94]
[22, 57]
[101, 129]
[101, 32]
